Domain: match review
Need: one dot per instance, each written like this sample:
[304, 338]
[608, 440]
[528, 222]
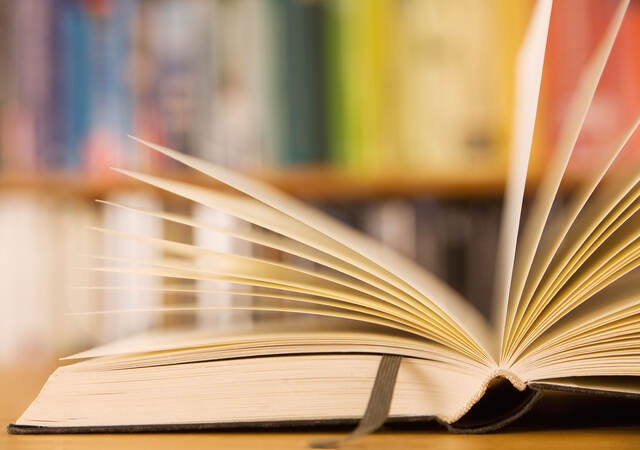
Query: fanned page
[573, 312]
[355, 278]
[532, 234]
[296, 220]
[528, 79]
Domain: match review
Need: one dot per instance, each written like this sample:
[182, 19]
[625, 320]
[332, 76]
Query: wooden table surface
[18, 388]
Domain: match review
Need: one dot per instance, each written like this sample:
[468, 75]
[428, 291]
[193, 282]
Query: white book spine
[27, 309]
[221, 243]
[393, 223]
[119, 325]
[74, 243]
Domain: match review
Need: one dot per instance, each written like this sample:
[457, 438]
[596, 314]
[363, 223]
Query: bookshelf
[314, 183]
[319, 103]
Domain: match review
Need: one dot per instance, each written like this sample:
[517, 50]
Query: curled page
[528, 79]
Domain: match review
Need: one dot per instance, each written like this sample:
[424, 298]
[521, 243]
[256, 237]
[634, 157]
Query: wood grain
[323, 183]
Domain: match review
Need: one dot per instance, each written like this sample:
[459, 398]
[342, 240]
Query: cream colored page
[562, 227]
[327, 293]
[171, 269]
[568, 259]
[409, 277]
[263, 215]
[280, 338]
[617, 359]
[247, 209]
[226, 391]
[280, 243]
[617, 257]
[249, 267]
[613, 313]
[254, 274]
[542, 267]
[528, 79]
[603, 217]
[546, 194]
[266, 216]
[236, 264]
[242, 296]
[619, 336]
[620, 298]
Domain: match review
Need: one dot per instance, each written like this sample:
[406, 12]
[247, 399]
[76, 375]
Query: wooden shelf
[310, 183]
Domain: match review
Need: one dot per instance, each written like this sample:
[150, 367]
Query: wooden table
[18, 387]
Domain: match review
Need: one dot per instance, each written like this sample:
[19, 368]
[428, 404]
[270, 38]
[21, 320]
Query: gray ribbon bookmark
[379, 403]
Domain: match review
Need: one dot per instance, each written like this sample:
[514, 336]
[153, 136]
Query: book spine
[27, 312]
[5, 77]
[358, 43]
[242, 62]
[180, 73]
[454, 108]
[393, 222]
[335, 88]
[212, 240]
[302, 83]
[75, 100]
[31, 67]
[72, 292]
[110, 40]
[617, 99]
[136, 290]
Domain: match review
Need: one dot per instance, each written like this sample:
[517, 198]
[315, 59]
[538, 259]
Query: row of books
[246, 83]
[50, 282]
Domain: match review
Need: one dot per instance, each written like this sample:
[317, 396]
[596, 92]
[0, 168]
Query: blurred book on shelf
[248, 83]
[617, 98]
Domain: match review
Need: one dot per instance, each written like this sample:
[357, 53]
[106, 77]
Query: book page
[202, 264]
[612, 313]
[528, 79]
[533, 230]
[277, 242]
[611, 206]
[275, 338]
[331, 386]
[617, 256]
[591, 328]
[346, 243]
[267, 217]
[597, 254]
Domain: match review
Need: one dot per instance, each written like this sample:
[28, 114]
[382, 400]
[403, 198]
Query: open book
[567, 306]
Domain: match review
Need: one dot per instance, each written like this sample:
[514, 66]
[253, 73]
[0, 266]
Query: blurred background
[392, 115]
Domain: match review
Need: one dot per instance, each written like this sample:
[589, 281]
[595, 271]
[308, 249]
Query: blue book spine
[110, 117]
[74, 28]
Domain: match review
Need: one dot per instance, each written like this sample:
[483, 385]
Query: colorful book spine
[358, 42]
[455, 64]
[180, 72]
[74, 30]
[110, 41]
[5, 78]
[300, 78]
[617, 99]
[27, 112]
[241, 66]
